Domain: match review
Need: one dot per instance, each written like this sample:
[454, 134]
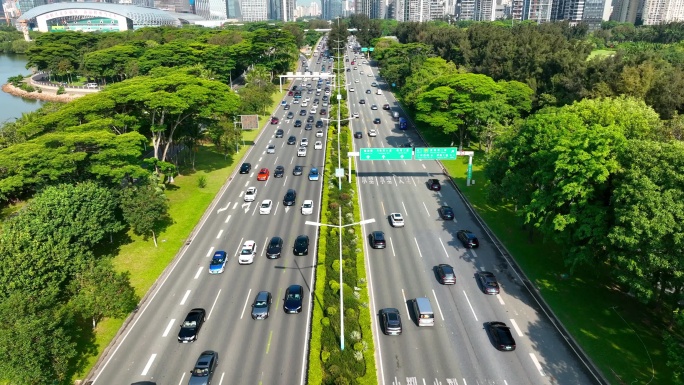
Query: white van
[91, 85]
[423, 311]
[379, 92]
[395, 115]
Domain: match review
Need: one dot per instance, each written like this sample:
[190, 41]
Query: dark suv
[501, 334]
[433, 184]
[377, 240]
[468, 239]
[301, 245]
[204, 368]
[244, 169]
[391, 321]
[275, 247]
[290, 197]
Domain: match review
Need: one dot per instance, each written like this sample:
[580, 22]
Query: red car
[274, 120]
[263, 174]
[290, 93]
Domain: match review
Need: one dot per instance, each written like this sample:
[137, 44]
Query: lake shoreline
[47, 95]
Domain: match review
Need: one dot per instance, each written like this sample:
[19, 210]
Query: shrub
[202, 181]
[61, 90]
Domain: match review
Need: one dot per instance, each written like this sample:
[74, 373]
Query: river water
[11, 107]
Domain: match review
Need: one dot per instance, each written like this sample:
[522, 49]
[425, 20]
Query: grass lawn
[187, 203]
[600, 53]
[621, 335]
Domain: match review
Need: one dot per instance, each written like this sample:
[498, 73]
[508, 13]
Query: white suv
[247, 254]
[250, 194]
[307, 207]
[301, 151]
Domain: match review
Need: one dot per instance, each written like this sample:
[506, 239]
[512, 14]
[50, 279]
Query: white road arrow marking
[223, 208]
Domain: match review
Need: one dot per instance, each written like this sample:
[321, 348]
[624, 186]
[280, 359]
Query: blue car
[313, 174]
[218, 263]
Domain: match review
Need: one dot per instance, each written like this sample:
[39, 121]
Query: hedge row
[328, 364]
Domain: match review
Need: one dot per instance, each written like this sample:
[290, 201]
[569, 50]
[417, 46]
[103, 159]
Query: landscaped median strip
[327, 363]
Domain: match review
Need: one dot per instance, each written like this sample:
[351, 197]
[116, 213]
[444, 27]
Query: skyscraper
[211, 9]
[254, 10]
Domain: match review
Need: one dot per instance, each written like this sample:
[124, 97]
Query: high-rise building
[595, 12]
[289, 10]
[211, 9]
[436, 10]
[485, 10]
[254, 10]
[662, 11]
[626, 11]
[412, 10]
[331, 9]
[537, 10]
[25, 5]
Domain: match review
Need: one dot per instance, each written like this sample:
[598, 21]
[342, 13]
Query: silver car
[261, 305]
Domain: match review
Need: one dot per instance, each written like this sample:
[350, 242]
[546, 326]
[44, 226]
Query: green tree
[99, 291]
[145, 209]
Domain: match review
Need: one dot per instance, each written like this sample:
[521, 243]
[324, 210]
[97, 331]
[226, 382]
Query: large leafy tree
[145, 209]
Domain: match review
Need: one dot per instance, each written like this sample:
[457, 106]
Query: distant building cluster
[216, 12]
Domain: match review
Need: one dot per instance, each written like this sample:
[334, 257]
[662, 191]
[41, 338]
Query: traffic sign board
[364, 49]
[386, 153]
[371, 49]
[436, 153]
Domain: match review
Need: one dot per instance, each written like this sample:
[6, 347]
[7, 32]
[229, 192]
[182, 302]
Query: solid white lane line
[383, 208]
[227, 219]
[238, 248]
[255, 208]
[464, 381]
[211, 250]
[418, 247]
[437, 302]
[276, 210]
[501, 301]
[235, 205]
[221, 381]
[505, 382]
[377, 183]
[426, 209]
[182, 378]
[537, 364]
[264, 248]
[213, 304]
[246, 301]
[443, 247]
[392, 246]
[168, 327]
[149, 364]
[199, 271]
[185, 297]
[469, 304]
[517, 329]
[405, 211]
[219, 234]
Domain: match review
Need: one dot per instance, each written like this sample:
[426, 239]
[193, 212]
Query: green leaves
[144, 208]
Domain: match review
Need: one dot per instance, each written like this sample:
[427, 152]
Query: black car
[204, 368]
[294, 296]
[298, 170]
[290, 197]
[391, 321]
[377, 240]
[302, 112]
[488, 282]
[446, 274]
[298, 123]
[308, 127]
[274, 248]
[446, 212]
[323, 111]
[310, 119]
[245, 168]
[358, 134]
[501, 334]
[468, 239]
[376, 121]
[368, 91]
[292, 140]
[362, 101]
[386, 106]
[434, 185]
[301, 245]
[190, 328]
[319, 124]
[279, 172]
[279, 133]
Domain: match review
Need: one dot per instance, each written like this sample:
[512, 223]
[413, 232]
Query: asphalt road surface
[271, 351]
[457, 350]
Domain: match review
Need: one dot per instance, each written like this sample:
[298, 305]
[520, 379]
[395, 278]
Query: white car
[313, 110]
[361, 72]
[396, 220]
[370, 75]
[318, 145]
[270, 149]
[301, 151]
[305, 104]
[351, 89]
[250, 194]
[372, 132]
[319, 133]
[307, 207]
[266, 205]
[247, 253]
[356, 80]
[304, 142]
[355, 114]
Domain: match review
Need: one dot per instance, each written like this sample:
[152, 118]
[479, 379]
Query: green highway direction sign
[436, 153]
[385, 153]
[364, 49]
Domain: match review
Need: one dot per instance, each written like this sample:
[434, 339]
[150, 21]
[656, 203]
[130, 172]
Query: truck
[403, 124]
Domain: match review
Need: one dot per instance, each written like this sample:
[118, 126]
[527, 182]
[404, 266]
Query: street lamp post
[339, 227]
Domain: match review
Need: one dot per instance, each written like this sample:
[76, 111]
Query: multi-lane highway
[457, 350]
[271, 351]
